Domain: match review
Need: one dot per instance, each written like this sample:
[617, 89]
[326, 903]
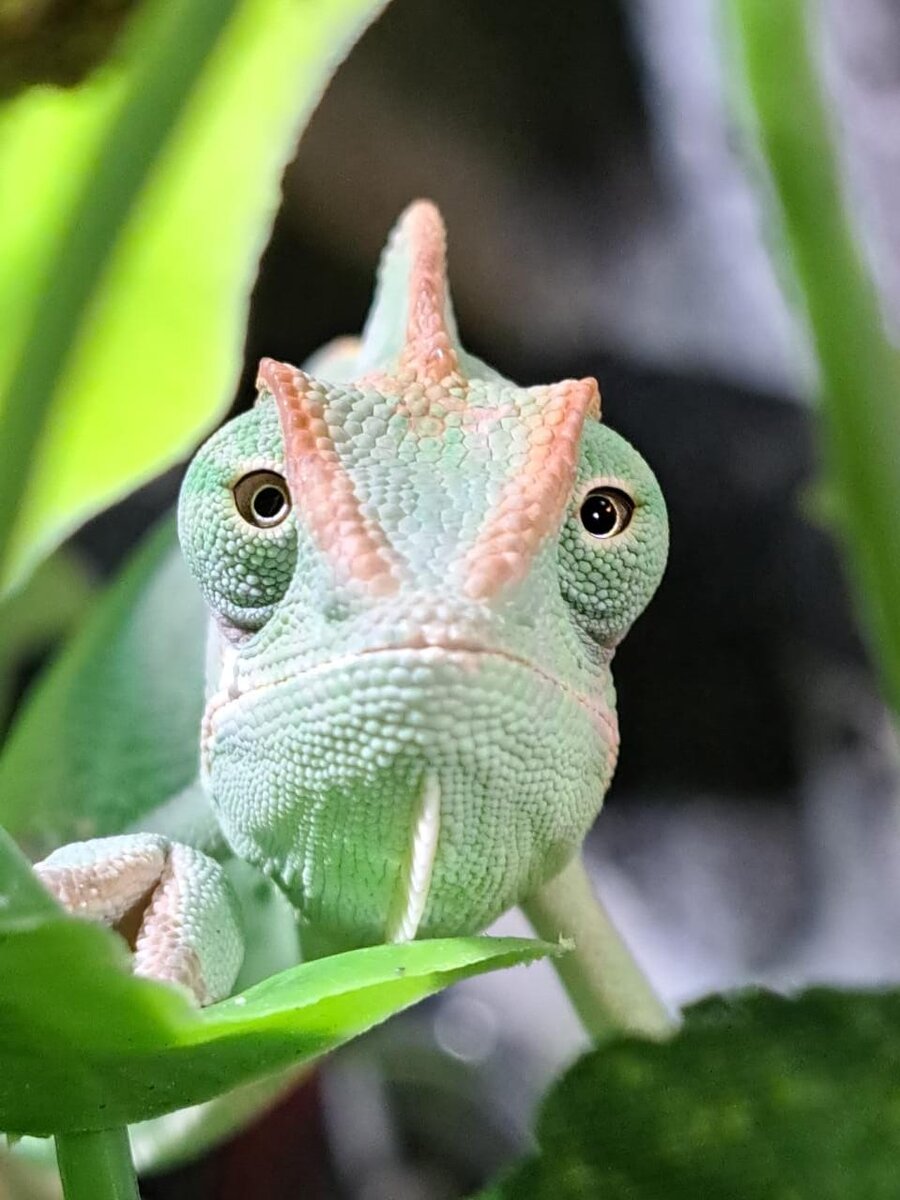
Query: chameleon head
[418, 573]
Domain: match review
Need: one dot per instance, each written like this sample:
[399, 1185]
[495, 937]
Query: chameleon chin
[417, 573]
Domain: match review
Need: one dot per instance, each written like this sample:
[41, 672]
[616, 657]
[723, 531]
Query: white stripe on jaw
[403, 927]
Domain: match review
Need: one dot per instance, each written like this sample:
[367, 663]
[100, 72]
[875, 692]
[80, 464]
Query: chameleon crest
[418, 572]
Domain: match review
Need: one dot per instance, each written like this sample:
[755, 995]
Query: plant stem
[860, 367]
[608, 989]
[96, 1166]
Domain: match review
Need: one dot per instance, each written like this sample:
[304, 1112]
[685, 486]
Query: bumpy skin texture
[411, 718]
[187, 927]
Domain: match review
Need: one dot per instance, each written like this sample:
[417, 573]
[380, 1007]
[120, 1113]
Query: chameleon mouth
[430, 651]
[466, 653]
[461, 650]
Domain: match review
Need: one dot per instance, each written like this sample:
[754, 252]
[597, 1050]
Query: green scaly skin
[410, 718]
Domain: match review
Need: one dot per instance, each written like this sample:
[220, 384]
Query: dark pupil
[268, 503]
[599, 515]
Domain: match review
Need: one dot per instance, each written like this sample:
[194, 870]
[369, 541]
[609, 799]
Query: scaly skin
[411, 717]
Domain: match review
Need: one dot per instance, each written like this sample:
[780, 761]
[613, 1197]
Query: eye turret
[236, 522]
[612, 546]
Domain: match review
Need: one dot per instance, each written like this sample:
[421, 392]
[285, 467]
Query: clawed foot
[173, 904]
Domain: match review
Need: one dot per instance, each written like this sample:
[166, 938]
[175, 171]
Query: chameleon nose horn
[533, 502]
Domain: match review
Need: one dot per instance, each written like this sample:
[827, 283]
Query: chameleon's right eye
[262, 498]
[235, 521]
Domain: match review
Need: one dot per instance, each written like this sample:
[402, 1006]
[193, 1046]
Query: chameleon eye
[262, 498]
[606, 511]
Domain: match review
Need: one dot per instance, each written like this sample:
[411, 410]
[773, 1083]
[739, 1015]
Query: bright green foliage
[860, 368]
[758, 1098]
[110, 731]
[120, 1049]
[133, 210]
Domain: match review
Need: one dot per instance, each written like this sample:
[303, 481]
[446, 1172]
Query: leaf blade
[860, 400]
[63, 1069]
[757, 1096]
[144, 339]
[110, 730]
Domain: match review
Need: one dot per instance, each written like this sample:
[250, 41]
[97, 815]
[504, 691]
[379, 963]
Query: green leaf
[111, 730]
[272, 944]
[84, 1045]
[133, 210]
[758, 1097]
[46, 609]
[860, 367]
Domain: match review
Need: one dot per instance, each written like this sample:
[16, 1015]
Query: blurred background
[608, 217]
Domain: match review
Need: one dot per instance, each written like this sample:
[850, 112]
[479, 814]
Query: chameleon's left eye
[262, 498]
[606, 511]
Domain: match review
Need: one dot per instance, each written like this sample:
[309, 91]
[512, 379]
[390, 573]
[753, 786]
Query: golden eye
[262, 498]
[606, 511]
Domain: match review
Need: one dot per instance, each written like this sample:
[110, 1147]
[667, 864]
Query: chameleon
[417, 574]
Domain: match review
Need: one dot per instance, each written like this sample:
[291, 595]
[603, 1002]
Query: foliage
[122, 309]
[124, 294]
[41, 614]
[757, 1097]
[860, 369]
[61, 1068]
[121, 722]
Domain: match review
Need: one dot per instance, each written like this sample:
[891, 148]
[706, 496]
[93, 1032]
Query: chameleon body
[417, 573]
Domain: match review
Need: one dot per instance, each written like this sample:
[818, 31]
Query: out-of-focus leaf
[46, 609]
[133, 210]
[111, 730]
[122, 1049]
[757, 1097]
[860, 368]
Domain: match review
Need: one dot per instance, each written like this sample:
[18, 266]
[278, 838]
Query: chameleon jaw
[405, 800]
[467, 654]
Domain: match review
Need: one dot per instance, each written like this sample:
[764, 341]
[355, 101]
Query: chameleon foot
[176, 902]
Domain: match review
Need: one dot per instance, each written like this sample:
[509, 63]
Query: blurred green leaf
[133, 210]
[758, 1097]
[111, 730]
[860, 368]
[120, 1049]
[52, 601]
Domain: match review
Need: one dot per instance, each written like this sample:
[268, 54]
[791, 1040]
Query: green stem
[859, 365]
[96, 1166]
[608, 989]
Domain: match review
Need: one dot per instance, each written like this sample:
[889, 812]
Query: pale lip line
[223, 698]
